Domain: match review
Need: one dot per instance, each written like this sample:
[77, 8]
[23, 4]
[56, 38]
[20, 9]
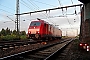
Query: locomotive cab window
[35, 24]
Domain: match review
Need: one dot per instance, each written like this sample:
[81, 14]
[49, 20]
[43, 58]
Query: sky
[8, 8]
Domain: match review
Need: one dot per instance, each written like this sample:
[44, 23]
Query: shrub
[23, 37]
[9, 37]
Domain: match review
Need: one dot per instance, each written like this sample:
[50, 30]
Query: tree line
[7, 34]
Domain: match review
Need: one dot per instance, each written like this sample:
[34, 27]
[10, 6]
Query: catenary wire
[71, 1]
[7, 11]
[38, 9]
[44, 3]
[7, 7]
[59, 2]
[34, 6]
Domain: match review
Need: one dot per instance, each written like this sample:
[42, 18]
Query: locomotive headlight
[29, 32]
[37, 32]
[29, 29]
[37, 29]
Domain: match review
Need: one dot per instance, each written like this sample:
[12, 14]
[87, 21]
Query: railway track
[63, 53]
[46, 52]
[43, 50]
[8, 44]
[49, 52]
[8, 48]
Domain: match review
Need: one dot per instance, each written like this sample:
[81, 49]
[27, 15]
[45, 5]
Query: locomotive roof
[40, 21]
[44, 22]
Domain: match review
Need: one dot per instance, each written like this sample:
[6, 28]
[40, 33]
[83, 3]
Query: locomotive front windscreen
[35, 24]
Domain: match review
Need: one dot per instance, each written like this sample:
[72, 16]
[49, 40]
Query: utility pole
[17, 17]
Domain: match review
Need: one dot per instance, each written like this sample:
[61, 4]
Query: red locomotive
[41, 29]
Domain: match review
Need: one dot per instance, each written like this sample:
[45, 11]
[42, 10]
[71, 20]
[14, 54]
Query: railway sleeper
[64, 54]
[37, 56]
[48, 52]
[61, 57]
[44, 54]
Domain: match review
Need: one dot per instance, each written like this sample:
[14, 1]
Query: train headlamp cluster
[29, 29]
[37, 32]
[29, 32]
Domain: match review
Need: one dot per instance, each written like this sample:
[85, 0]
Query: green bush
[15, 37]
[23, 37]
[0, 38]
[12, 37]
[9, 37]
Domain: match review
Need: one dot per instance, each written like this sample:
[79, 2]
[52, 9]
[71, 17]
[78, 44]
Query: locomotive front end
[34, 30]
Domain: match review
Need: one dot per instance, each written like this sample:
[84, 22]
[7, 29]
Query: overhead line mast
[17, 16]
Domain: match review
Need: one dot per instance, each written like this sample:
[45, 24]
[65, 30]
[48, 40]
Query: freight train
[41, 29]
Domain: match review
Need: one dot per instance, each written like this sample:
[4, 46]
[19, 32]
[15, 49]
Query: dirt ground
[75, 53]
